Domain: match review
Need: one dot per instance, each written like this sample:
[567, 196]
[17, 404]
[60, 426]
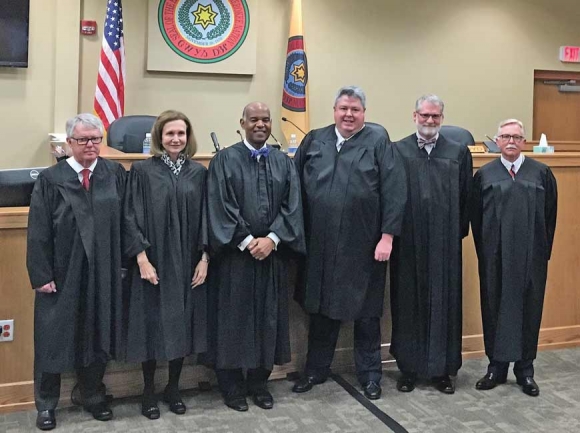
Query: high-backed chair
[128, 132]
[458, 134]
[376, 127]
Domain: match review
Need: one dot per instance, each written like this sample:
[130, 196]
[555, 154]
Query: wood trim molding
[559, 159]
[13, 217]
[540, 74]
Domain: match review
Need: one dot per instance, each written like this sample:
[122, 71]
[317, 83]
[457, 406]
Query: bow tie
[422, 142]
[264, 151]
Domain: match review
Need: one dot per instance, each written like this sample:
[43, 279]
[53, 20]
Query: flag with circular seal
[295, 75]
[295, 89]
[204, 31]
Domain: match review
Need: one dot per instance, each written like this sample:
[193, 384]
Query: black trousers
[522, 368]
[322, 338]
[233, 384]
[90, 379]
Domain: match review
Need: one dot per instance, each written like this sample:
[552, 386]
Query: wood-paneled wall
[560, 325]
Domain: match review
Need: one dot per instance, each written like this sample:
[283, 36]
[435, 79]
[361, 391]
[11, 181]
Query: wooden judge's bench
[560, 324]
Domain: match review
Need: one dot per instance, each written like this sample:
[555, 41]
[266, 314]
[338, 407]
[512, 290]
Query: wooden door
[556, 114]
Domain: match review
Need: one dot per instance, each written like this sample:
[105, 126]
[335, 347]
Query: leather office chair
[379, 128]
[128, 132]
[458, 134]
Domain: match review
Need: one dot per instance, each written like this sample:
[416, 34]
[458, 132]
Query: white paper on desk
[58, 137]
[543, 141]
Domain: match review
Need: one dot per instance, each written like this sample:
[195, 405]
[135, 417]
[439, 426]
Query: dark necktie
[264, 151]
[513, 171]
[86, 176]
[422, 142]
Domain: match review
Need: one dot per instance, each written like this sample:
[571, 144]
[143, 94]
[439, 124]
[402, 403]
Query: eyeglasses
[84, 141]
[507, 137]
[425, 116]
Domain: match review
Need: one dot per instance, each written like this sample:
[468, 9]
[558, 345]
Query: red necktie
[513, 171]
[86, 174]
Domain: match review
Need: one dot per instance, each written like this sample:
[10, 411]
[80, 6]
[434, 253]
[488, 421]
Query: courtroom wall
[37, 100]
[479, 55]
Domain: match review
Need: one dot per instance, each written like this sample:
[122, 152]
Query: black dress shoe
[372, 390]
[529, 386]
[406, 383]
[45, 420]
[236, 403]
[149, 408]
[489, 381]
[306, 382]
[101, 411]
[444, 384]
[173, 399]
[263, 399]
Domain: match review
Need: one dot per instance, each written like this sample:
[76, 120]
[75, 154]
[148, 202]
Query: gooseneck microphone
[276, 140]
[216, 145]
[292, 123]
[240, 134]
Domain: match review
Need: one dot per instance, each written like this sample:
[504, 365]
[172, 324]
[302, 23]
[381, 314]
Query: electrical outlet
[6, 330]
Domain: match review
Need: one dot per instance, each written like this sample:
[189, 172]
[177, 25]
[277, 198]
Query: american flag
[110, 93]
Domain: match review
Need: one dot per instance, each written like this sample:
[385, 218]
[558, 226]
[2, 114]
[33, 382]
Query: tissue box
[543, 149]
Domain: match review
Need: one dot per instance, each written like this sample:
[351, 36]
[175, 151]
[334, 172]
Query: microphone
[489, 138]
[240, 134]
[276, 140]
[296, 126]
[216, 145]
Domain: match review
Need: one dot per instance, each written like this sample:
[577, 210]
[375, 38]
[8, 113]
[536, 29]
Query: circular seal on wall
[295, 76]
[204, 31]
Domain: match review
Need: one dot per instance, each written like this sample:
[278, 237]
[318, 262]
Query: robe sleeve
[134, 216]
[227, 227]
[475, 210]
[40, 240]
[465, 185]
[551, 208]
[288, 224]
[393, 187]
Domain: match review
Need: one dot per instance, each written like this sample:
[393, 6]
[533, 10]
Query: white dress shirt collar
[76, 166]
[340, 140]
[249, 146]
[517, 163]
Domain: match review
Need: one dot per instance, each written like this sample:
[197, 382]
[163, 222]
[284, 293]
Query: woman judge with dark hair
[165, 239]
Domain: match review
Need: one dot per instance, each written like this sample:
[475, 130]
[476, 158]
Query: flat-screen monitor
[16, 185]
[14, 33]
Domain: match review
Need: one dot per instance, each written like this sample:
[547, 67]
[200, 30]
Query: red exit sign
[570, 54]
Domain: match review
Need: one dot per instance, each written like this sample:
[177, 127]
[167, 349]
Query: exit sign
[570, 54]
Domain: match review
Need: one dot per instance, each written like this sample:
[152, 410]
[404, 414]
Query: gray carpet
[329, 408]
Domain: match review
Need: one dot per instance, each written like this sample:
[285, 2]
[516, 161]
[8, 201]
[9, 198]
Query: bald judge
[255, 226]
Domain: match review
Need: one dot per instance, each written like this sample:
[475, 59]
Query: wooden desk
[126, 159]
[560, 324]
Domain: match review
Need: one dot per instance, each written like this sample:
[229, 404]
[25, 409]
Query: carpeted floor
[329, 408]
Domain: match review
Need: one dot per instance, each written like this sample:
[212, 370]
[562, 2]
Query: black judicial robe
[249, 298]
[350, 198]
[74, 239]
[513, 224]
[166, 217]
[426, 261]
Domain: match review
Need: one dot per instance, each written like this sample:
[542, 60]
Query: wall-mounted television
[14, 33]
